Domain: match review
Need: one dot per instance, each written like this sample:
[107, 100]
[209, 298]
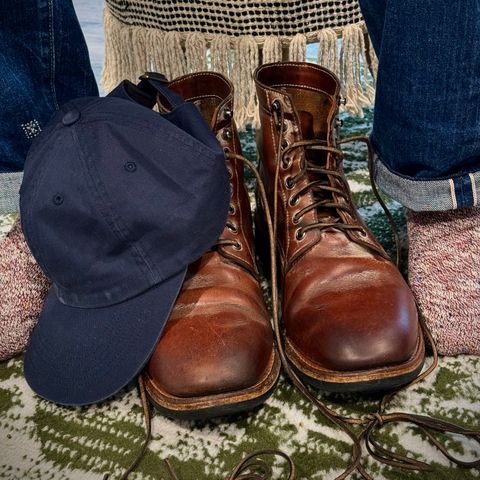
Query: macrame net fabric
[234, 37]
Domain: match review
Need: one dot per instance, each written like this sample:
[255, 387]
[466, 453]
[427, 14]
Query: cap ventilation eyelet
[57, 199]
[130, 167]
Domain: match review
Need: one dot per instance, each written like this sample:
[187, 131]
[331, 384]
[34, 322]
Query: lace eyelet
[227, 134]
[237, 246]
[285, 143]
[287, 163]
[276, 106]
[293, 200]
[363, 233]
[289, 183]
[232, 229]
[281, 127]
[299, 234]
[227, 114]
[295, 219]
[231, 209]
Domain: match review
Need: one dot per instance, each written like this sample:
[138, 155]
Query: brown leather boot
[350, 319]
[216, 355]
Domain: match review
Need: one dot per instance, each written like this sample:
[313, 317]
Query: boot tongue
[313, 107]
[313, 110]
[306, 124]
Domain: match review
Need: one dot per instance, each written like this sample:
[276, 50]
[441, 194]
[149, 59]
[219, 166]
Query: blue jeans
[426, 130]
[44, 63]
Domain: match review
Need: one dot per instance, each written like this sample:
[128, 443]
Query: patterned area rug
[39, 440]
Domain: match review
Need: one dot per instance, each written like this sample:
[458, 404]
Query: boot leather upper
[218, 338]
[345, 305]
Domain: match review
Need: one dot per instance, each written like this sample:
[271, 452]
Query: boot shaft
[299, 102]
[212, 94]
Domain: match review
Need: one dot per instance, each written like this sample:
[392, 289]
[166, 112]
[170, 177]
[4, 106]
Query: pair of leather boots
[349, 320]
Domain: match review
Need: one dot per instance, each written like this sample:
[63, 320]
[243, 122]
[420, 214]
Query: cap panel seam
[186, 140]
[116, 224]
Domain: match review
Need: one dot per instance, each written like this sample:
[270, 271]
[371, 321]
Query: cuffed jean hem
[461, 191]
[9, 188]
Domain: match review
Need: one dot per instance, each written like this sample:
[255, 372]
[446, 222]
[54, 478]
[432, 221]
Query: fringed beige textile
[234, 37]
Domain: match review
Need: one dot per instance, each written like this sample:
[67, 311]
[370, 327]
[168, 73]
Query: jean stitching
[52, 53]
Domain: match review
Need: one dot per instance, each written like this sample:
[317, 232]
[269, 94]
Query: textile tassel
[272, 50]
[110, 63]
[175, 64]
[350, 71]
[127, 59]
[298, 48]
[195, 52]
[140, 62]
[115, 65]
[220, 53]
[155, 40]
[328, 50]
[131, 50]
[364, 72]
[245, 62]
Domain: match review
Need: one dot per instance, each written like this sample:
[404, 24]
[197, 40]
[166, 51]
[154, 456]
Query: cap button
[71, 117]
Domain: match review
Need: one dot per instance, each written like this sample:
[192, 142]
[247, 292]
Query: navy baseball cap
[116, 201]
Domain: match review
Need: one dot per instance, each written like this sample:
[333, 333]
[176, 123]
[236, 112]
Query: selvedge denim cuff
[460, 191]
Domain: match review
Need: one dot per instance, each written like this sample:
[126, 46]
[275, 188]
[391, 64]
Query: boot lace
[254, 467]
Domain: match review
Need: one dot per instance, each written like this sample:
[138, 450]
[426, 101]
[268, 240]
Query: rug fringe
[131, 50]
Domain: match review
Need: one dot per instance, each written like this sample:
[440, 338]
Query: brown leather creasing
[255, 468]
[301, 149]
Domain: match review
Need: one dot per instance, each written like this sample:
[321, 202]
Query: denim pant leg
[426, 129]
[44, 63]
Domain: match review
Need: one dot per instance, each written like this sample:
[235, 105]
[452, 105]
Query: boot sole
[201, 408]
[374, 380]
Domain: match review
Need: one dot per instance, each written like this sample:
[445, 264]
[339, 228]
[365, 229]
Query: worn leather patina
[350, 319]
[216, 354]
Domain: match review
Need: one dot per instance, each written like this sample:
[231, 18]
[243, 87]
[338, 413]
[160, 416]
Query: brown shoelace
[371, 423]
[254, 467]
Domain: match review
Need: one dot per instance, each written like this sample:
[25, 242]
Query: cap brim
[79, 356]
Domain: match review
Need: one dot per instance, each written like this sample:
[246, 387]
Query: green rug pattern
[39, 440]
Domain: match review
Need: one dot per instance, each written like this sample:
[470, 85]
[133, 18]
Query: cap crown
[117, 198]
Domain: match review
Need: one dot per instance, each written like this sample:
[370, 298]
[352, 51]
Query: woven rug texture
[39, 440]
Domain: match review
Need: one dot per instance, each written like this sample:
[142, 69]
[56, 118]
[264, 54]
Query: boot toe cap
[210, 356]
[366, 327]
